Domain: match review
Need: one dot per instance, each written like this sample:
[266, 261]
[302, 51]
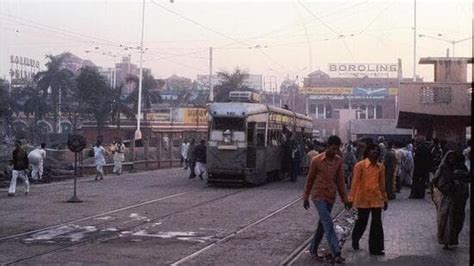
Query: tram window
[379, 112]
[363, 112]
[370, 113]
[224, 123]
[328, 111]
[320, 111]
[260, 138]
[250, 133]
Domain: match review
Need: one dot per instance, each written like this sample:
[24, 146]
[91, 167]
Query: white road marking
[94, 216]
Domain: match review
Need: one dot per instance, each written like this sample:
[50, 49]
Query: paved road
[157, 217]
[161, 217]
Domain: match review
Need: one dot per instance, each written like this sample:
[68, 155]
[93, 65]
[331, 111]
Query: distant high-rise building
[124, 69]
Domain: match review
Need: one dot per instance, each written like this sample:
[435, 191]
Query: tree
[230, 82]
[150, 94]
[97, 96]
[53, 80]
[6, 108]
[120, 107]
[34, 103]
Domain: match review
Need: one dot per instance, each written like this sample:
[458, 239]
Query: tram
[247, 139]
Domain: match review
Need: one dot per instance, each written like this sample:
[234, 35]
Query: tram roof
[239, 109]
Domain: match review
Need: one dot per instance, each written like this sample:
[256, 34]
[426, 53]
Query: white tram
[246, 140]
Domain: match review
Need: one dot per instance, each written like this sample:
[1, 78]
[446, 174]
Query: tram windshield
[226, 123]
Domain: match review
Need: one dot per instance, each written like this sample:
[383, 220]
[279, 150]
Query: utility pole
[211, 89]
[138, 133]
[414, 42]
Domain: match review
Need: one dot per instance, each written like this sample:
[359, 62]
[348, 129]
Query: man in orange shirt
[325, 177]
[368, 195]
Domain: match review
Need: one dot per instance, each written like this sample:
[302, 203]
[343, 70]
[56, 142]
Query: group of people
[374, 173]
[21, 161]
[98, 151]
[194, 157]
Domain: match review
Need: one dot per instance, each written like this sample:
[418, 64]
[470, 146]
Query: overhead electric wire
[216, 32]
[199, 24]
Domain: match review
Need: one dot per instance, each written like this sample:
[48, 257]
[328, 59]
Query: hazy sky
[288, 32]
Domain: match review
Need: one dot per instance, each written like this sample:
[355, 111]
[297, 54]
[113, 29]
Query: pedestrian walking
[119, 157]
[467, 155]
[324, 178]
[36, 159]
[368, 195]
[201, 159]
[184, 154]
[349, 161]
[451, 179]
[390, 165]
[99, 157]
[192, 158]
[20, 168]
[423, 166]
[407, 165]
[295, 161]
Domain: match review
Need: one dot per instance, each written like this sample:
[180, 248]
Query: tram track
[297, 252]
[101, 238]
[233, 234]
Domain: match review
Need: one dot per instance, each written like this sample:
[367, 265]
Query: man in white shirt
[36, 158]
[184, 154]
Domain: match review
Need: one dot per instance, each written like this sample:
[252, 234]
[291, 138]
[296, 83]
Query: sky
[274, 38]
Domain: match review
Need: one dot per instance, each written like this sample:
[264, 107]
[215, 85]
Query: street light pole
[138, 133]
[452, 42]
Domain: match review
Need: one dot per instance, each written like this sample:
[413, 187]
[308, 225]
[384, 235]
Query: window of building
[346, 106]
[370, 112]
[379, 112]
[431, 95]
[336, 114]
[312, 108]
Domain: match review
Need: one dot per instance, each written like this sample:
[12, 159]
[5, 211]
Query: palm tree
[229, 82]
[53, 80]
[150, 94]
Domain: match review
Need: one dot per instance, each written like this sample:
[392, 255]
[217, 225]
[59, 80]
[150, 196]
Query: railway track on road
[300, 250]
[233, 234]
[101, 238]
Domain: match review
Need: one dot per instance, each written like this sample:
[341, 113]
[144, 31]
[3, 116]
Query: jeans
[325, 224]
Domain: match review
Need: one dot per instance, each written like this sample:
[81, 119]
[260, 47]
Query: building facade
[442, 108]
[347, 105]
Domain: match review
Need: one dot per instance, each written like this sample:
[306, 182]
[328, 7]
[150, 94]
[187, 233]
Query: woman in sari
[451, 179]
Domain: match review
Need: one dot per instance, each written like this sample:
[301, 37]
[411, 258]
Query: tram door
[251, 145]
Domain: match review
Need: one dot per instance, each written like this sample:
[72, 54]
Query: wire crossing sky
[274, 38]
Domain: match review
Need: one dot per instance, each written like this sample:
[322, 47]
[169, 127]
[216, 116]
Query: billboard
[179, 115]
[349, 93]
[370, 70]
[23, 69]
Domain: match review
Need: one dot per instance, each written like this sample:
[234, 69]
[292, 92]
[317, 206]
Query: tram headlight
[227, 136]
